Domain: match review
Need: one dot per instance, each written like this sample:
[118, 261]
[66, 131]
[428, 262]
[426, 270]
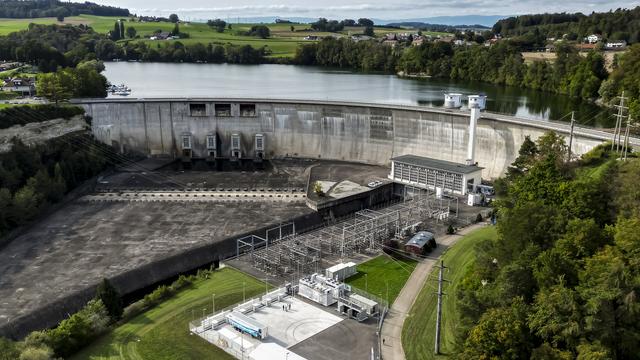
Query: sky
[378, 9]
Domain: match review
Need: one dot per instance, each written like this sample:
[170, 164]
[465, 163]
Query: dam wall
[368, 133]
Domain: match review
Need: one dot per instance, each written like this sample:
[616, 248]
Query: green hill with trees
[561, 278]
[54, 8]
[621, 24]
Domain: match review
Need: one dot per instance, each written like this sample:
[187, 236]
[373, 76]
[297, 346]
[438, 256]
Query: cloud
[294, 9]
[374, 8]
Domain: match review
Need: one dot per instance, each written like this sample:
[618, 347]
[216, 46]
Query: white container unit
[452, 100]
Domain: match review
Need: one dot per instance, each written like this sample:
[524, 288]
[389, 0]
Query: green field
[163, 332]
[419, 328]
[282, 43]
[374, 276]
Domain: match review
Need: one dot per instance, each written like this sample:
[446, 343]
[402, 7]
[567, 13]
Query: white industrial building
[320, 289]
[435, 175]
[341, 271]
[358, 307]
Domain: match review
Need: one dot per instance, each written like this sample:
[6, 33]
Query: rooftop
[420, 239]
[436, 164]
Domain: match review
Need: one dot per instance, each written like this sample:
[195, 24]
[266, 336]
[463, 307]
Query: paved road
[392, 326]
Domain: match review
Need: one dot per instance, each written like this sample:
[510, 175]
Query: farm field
[418, 331]
[282, 43]
[163, 332]
[374, 275]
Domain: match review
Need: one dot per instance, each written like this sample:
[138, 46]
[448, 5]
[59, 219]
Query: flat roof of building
[436, 164]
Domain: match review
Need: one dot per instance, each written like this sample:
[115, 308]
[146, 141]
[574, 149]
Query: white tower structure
[476, 103]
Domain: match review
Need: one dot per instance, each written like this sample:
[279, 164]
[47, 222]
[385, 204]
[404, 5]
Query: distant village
[417, 38]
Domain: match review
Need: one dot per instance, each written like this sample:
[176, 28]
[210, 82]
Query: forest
[501, 64]
[621, 24]
[55, 8]
[561, 280]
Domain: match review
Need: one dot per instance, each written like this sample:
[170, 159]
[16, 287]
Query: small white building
[24, 86]
[452, 100]
[341, 271]
[477, 101]
[615, 45]
[594, 38]
[435, 175]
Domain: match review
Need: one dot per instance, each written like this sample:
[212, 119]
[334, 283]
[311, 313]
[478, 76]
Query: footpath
[391, 331]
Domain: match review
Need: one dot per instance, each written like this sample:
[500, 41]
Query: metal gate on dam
[369, 133]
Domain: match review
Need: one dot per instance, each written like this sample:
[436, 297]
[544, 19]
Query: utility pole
[573, 120]
[625, 145]
[439, 314]
[617, 132]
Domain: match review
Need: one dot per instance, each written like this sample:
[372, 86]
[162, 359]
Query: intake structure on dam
[369, 133]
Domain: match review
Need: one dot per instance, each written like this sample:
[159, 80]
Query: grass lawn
[594, 172]
[163, 332]
[418, 331]
[381, 271]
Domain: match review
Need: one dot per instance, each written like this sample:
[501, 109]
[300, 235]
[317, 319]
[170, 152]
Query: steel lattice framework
[283, 252]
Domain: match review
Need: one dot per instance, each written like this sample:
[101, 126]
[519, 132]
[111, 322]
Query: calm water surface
[149, 80]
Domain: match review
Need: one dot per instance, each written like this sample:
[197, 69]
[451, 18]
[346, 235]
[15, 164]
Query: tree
[117, 32]
[6, 201]
[556, 317]
[54, 87]
[8, 350]
[500, 334]
[174, 18]
[26, 204]
[292, 28]
[36, 353]
[365, 22]
[260, 31]
[176, 30]
[131, 32]
[317, 188]
[218, 24]
[110, 298]
[368, 31]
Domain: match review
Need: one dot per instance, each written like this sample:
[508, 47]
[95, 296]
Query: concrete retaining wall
[367, 133]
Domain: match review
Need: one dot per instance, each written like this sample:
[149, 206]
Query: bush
[78, 330]
[317, 188]
[180, 283]
[20, 115]
[450, 230]
[111, 299]
[8, 349]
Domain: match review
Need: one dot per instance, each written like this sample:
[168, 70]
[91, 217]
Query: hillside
[38, 9]
[622, 24]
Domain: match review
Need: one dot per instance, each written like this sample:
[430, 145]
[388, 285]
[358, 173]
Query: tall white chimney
[476, 103]
[471, 148]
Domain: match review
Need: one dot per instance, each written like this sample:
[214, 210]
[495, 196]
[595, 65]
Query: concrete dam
[368, 133]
